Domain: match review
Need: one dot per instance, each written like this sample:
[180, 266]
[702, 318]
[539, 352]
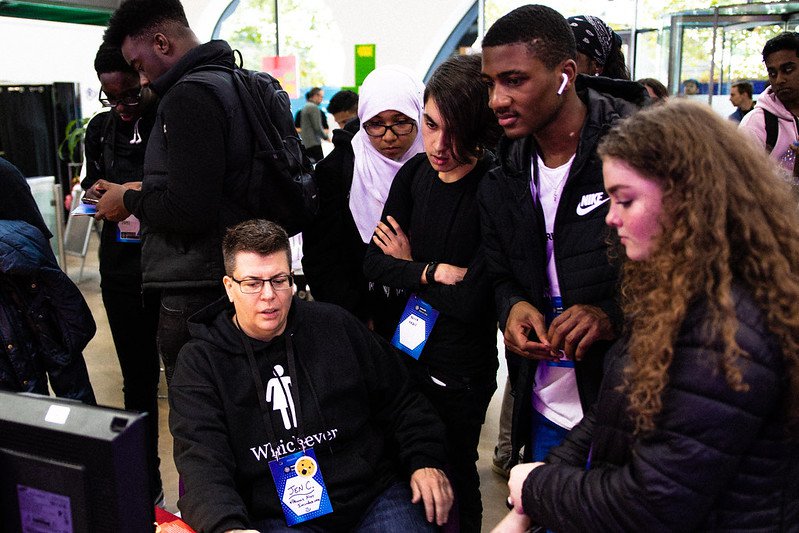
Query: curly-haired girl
[696, 424]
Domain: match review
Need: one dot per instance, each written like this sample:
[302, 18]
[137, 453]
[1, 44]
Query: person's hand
[110, 206]
[94, 192]
[431, 486]
[577, 328]
[518, 474]
[132, 185]
[392, 240]
[449, 274]
[513, 523]
[523, 318]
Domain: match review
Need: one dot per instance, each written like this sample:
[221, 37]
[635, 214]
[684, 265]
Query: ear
[569, 69]
[161, 44]
[228, 283]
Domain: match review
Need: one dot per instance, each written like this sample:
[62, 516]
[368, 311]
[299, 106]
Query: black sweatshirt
[355, 402]
[443, 225]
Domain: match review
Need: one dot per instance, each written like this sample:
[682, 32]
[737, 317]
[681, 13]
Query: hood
[603, 111]
[769, 101]
[214, 325]
[215, 52]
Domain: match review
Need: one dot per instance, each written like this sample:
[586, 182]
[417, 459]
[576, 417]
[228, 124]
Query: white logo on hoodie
[278, 393]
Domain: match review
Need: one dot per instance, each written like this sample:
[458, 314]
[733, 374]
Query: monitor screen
[67, 467]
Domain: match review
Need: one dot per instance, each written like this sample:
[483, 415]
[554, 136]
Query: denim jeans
[545, 435]
[177, 305]
[391, 512]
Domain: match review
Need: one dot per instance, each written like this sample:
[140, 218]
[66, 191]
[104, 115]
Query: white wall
[33, 51]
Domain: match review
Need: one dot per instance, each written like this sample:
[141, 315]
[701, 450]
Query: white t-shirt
[555, 391]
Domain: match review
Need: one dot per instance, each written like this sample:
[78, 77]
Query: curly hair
[543, 30]
[109, 59]
[462, 99]
[730, 217]
[137, 18]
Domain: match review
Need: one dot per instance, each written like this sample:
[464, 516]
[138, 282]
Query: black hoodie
[354, 403]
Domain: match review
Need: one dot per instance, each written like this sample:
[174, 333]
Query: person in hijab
[353, 181]
[598, 48]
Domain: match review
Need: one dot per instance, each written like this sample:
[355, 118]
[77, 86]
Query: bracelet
[430, 275]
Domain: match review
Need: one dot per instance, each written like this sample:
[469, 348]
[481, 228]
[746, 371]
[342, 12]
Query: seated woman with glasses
[697, 420]
[353, 182]
[115, 144]
[429, 243]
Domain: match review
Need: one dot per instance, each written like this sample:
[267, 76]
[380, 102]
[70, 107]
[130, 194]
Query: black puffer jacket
[196, 172]
[44, 321]
[514, 236]
[718, 460]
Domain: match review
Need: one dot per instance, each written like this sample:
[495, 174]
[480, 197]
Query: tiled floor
[107, 382]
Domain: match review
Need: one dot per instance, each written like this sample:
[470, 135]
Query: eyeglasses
[125, 100]
[398, 128]
[281, 282]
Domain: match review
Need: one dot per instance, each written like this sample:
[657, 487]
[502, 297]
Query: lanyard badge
[300, 487]
[415, 326]
[554, 311]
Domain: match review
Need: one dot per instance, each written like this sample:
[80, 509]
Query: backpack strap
[772, 129]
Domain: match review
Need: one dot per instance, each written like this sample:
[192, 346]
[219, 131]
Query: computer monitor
[66, 467]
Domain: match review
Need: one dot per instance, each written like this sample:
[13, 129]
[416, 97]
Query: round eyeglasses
[281, 282]
[398, 128]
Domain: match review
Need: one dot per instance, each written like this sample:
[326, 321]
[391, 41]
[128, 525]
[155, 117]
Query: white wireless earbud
[563, 85]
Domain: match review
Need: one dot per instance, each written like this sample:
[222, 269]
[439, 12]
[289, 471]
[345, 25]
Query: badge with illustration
[302, 491]
[415, 326]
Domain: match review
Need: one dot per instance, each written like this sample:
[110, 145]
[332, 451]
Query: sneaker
[500, 467]
[160, 501]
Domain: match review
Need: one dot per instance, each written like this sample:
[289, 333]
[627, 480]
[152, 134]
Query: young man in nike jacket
[543, 212]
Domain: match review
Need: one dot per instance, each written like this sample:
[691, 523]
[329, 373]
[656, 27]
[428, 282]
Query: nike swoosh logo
[584, 210]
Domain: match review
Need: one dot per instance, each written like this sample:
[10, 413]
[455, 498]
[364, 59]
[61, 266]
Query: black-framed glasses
[125, 100]
[398, 128]
[281, 282]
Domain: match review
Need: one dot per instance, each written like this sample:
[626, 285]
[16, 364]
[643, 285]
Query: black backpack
[772, 129]
[281, 187]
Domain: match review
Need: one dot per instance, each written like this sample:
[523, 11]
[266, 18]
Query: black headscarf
[594, 38]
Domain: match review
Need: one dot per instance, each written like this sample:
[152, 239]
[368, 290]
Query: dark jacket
[354, 403]
[16, 202]
[514, 237]
[44, 321]
[111, 155]
[442, 221]
[196, 172]
[718, 460]
[333, 251]
[332, 248]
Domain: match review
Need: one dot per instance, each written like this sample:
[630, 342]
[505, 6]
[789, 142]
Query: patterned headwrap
[594, 38]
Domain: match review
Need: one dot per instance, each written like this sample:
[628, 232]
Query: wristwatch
[430, 275]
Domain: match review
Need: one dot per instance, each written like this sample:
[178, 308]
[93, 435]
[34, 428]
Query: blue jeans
[391, 512]
[544, 436]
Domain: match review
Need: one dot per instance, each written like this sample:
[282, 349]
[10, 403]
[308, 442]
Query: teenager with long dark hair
[428, 243]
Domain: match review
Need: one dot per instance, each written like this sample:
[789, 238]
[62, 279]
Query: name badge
[302, 491]
[129, 230]
[414, 327]
[555, 310]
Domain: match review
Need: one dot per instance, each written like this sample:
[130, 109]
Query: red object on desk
[170, 523]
